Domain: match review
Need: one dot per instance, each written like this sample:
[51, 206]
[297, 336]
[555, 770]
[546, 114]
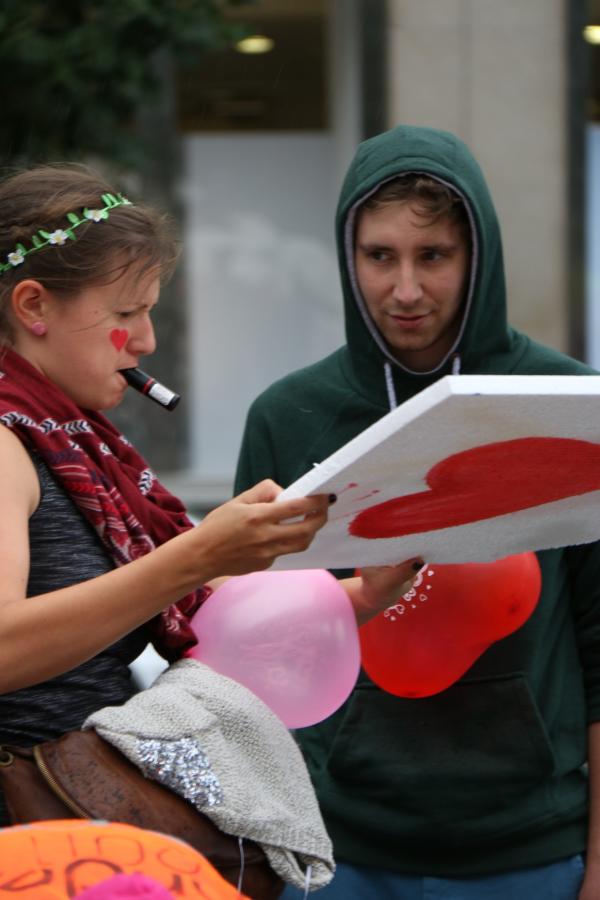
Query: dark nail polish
[418, 565]
[332, 498]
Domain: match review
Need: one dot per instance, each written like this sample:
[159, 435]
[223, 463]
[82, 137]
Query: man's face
[413, 277]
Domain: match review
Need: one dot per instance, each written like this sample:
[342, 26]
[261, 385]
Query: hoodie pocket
[472, 761]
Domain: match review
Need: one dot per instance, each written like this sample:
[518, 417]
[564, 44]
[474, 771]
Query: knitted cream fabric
[214, 742]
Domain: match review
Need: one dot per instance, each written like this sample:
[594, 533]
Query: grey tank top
[64, 550]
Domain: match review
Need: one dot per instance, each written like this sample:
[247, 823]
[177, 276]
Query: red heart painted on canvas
[453, 613]
[487, 481]
[119, 337]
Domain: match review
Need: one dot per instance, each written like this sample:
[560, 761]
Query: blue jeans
[558, 881]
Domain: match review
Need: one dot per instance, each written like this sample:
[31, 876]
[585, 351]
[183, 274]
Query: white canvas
[529, 478]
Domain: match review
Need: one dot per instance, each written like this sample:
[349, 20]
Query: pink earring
[38, 328]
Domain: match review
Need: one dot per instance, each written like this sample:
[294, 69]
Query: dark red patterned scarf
[108, 481]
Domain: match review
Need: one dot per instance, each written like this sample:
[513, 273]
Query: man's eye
[125, 313]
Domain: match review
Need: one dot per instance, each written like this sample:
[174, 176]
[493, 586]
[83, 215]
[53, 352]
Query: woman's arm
[43, 636]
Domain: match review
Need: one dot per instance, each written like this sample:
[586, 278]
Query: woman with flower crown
[95, 555]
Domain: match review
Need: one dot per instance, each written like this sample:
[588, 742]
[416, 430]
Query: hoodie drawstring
[389, 383]
[389, 379]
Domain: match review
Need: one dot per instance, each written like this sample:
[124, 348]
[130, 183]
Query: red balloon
[452, 614]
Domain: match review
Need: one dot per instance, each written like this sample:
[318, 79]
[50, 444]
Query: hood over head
[484, 331]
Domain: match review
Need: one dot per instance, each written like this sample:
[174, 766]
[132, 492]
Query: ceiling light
[592, 34]
[255, 43]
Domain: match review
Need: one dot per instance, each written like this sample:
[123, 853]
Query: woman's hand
[53, 632]
[379, 587]
[249, 532]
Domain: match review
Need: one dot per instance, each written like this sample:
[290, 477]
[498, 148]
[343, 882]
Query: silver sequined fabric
[182, 766]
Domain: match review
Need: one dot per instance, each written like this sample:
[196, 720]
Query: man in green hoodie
[480, 791]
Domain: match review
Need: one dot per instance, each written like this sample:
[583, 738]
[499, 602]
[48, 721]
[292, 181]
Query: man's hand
[378, 587]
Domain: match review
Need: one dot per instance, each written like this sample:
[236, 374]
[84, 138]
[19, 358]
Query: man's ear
[30, 302]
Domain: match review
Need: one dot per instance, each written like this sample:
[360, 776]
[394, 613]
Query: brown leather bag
[81, 776]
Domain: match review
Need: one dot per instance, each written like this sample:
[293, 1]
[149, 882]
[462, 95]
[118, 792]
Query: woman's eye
[125, 313]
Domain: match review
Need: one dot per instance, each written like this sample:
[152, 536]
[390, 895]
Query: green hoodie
[488, 775]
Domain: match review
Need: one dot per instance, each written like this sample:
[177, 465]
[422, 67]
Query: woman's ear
[30, 302]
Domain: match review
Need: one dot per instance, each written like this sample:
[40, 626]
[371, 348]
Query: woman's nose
[142, 339]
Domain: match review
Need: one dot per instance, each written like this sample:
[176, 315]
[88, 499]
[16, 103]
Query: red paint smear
[485, 482]
[366, 496]
[349, 487]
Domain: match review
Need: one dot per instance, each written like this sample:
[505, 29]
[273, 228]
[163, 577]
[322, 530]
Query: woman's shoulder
[18, 477]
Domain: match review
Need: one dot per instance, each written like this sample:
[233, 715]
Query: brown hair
[40, 198]
[432, 199]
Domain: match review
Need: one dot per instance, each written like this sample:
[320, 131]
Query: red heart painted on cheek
[487, 481]
[453, 613]
[119, 337]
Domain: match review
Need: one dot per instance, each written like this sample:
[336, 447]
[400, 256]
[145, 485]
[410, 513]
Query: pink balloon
[289, 637]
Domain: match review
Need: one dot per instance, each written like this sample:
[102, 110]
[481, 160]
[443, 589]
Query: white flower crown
[61, 235]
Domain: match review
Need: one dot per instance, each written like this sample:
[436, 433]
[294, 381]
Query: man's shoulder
[314, 380]
[539, 359]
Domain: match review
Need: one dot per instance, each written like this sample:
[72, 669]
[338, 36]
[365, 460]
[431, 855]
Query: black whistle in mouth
[150, 387]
